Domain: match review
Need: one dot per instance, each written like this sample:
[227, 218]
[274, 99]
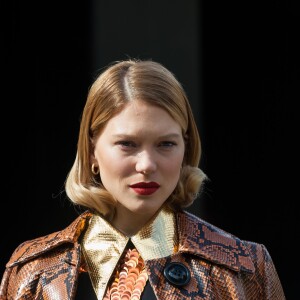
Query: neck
[128, 222]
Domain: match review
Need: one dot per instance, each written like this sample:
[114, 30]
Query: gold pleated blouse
[108, 257]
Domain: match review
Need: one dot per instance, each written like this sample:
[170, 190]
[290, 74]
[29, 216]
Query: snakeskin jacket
[209, 264]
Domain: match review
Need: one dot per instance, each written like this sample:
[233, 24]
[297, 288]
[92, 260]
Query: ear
[93, 159]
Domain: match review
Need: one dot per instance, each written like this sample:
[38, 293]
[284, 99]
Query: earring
[95, 170]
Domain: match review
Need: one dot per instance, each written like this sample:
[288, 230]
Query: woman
[135, 171]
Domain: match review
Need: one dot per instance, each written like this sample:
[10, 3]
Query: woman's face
[140, 152]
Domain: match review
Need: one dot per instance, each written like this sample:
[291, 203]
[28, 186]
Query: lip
[145, 188]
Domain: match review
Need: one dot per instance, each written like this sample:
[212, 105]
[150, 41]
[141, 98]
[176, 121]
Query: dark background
[239, 64]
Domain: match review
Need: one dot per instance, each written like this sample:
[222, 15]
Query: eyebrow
[131, 136]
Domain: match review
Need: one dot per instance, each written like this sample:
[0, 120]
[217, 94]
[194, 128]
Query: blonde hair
[121, 82]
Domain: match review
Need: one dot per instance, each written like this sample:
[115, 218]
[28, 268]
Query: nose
[145, 163]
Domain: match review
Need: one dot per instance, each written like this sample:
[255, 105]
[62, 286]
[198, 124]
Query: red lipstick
[145, 188]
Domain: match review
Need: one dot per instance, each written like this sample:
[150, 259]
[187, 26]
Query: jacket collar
[103, 245]
[38, 246]
[196, 237]
[214, 244]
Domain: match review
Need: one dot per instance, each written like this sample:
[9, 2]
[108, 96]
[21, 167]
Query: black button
[177, 274]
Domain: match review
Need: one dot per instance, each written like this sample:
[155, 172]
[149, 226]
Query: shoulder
[189, 222]
[41, 245]
[204, 239]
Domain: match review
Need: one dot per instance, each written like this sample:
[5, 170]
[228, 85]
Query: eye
[167, 144]
[126, 144]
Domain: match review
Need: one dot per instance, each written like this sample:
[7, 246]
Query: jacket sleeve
[267, 274]
[4, 284]
[52, 275]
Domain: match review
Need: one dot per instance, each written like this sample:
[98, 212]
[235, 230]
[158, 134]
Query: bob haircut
[119, 83]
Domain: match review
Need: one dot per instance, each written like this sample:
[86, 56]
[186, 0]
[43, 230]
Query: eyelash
[167, 144]
[126, 144]
[130, 144]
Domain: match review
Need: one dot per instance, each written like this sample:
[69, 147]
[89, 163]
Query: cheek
[113, 167]
[104, 154]
[173, 166]
[103, 157]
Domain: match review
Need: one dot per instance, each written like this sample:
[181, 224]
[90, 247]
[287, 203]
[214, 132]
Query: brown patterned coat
[221, 266]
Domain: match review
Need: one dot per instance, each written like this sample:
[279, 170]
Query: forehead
[139, 115]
